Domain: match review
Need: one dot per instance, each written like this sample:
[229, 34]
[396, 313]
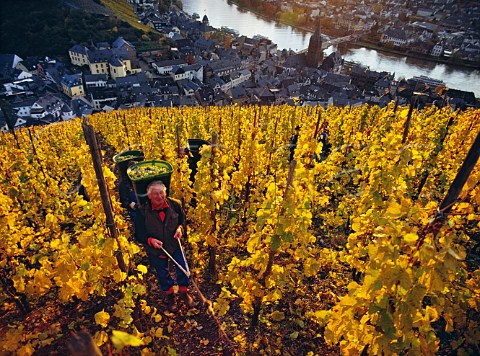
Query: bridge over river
[335, 41]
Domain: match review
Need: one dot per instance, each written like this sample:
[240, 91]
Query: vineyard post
[250, 178]
[179, 170]
[140, 138]
[161, 136]
[220, 127]
[273, 144]
[437, 150]
[477, 117]
[124, 121]
[16, 138]
[239, 140]
[454, 191]
[251, 173]
[36, 156]
[315, 136]
[257, 303]
[212, 250]
[406, 127]
[309, 111]
[177, 133]
[396, 105]
[317, 125]
[150, 118]
[462, 176]
[106, 202]
[237, 160]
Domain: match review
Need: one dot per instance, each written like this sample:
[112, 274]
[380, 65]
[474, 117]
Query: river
[221, 13]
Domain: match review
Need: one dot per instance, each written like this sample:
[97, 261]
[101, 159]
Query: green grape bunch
[145, 172]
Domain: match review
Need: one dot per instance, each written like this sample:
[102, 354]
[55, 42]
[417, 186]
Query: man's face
[157, 196]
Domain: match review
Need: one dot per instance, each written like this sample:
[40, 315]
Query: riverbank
[447, 61]
[368, 44]
[269, 18]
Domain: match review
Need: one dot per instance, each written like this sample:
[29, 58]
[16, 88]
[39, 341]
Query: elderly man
[158, 226]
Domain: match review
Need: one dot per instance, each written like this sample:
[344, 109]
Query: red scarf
[161, 209]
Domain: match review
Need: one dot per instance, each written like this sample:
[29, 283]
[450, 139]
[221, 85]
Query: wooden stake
[437, 150]
[102, 185]
[212, 250]
[317, 126]
[126, 129]
[396, 105]
[413, 101]
[461, 178]
[257, 303]
[177, 132]
[16, 138]
[453, 192]
[36, 156]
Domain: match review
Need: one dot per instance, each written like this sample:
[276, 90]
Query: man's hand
[178, 233]
[133, 206]
[156, 243]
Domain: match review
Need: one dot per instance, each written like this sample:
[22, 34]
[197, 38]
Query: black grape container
[194, 145]
[124, 159]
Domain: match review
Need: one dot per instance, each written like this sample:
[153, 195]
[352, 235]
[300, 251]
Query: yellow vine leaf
[100, 337]
[102, 318]
[356, 226]
[119, 276]
[431, 314]
[458, 256]
[120, 339]
[159, 332]
[55, 243]
[394, 211]
[50, 220]
[142, 269]
[410, 238]
[277, 316]
[11, 220]
[322, 316]
[18, 283]
[28, 349]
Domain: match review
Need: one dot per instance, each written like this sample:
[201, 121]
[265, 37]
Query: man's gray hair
[157, 183]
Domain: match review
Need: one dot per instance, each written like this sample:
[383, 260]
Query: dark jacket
[127, 194]
[293, 141]
[148, 224]
[293, 145]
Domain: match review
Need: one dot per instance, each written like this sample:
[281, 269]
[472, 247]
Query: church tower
[205, 20]
[314, 52]
[204, 27]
